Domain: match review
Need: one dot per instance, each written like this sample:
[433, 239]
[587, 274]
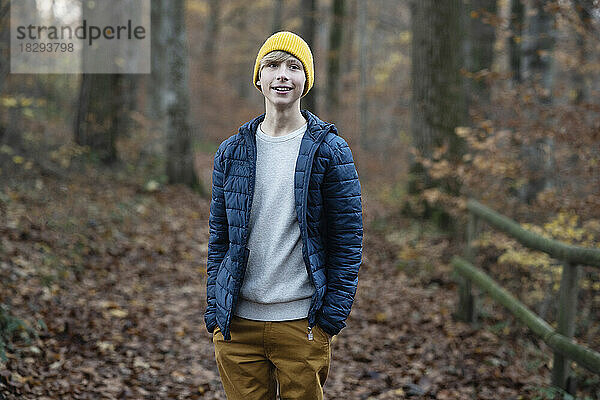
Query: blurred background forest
[105, 187]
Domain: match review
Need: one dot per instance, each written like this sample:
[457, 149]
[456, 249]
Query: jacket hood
[315, 125]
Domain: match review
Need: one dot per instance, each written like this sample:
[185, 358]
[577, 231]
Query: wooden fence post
[569, 290]
[466, 305]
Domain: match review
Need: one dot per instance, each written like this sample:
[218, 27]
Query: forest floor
[110, 275]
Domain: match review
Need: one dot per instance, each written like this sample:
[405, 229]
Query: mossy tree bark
[180, 165]
[438, 103]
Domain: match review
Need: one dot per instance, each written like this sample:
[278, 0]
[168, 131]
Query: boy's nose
[281, 74]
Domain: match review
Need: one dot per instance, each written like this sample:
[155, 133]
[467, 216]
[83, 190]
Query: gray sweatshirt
[276, 285]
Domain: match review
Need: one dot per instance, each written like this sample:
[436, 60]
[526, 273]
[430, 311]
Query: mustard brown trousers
[265, 358]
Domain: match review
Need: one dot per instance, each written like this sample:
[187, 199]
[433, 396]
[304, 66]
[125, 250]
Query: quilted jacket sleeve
[218, 242]
[343, 213]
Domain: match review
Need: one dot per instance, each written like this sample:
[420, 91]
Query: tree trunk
[517, 20]
[335, 44]
[211, 38]
[307, 31]
[244, 83]
[438, 102]
[4, 42]
[584, 11]
[362, 12]
[277, 15]
[98, 117]
[105, 101]
[11, 133]
[4, 54]
[180, 166]
[502, 45]
[480, 47]
[158, 89]
[156, 82]
[537, 73]
[537, 50]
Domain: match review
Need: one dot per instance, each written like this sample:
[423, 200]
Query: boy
[285, 239]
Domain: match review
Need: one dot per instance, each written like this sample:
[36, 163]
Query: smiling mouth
[282, 89]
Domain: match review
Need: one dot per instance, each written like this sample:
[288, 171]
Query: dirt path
[125, 319]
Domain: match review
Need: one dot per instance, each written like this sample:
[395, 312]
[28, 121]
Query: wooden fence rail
[572, 257]
[560, 251]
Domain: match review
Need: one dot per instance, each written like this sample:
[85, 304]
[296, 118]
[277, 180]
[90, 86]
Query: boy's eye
[272, 64]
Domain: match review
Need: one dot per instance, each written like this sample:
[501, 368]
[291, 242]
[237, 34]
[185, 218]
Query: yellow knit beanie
[296, 46]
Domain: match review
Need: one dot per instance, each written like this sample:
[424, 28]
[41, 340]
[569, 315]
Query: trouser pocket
[302, 364]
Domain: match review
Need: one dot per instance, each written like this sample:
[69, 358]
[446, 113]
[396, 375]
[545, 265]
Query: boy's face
[282, 83]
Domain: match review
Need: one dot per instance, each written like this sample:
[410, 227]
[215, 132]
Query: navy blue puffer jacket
[329, 210]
